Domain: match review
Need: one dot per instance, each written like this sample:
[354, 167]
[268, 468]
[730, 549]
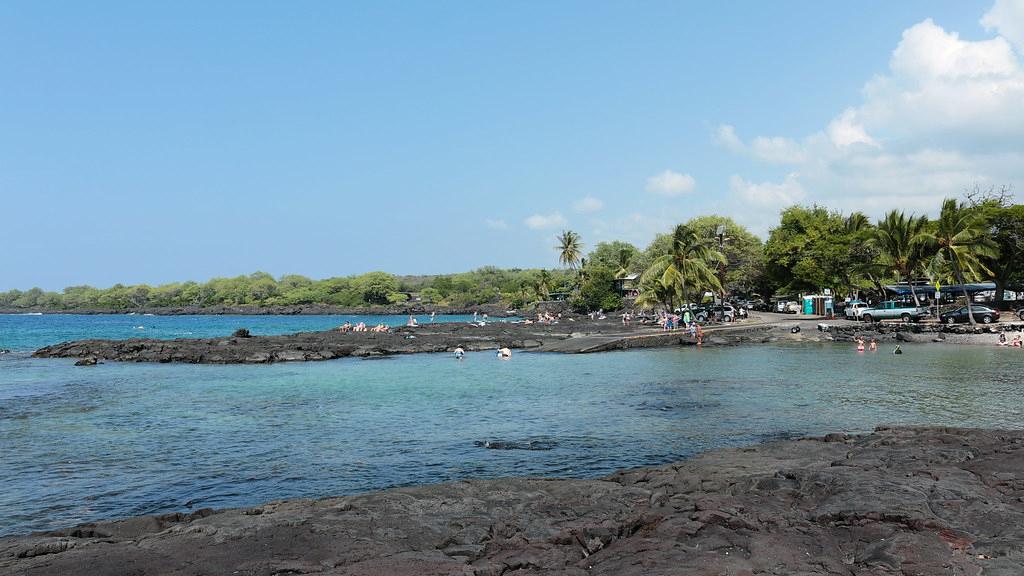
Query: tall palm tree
[962, 239]
[570, 249]
[897, 237]
[691, 262]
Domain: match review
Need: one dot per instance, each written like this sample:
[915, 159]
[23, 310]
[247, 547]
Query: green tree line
[980, 237]
[486, 285]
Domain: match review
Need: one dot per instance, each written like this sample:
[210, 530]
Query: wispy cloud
[545, 221]
[496, 224]
[670, 183]
[588, 204]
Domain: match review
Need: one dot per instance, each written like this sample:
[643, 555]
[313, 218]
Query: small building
[628, 286]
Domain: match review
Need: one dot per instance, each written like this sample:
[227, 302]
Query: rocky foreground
[909, 501]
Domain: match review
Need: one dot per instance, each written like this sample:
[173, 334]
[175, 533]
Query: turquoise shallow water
[27, 332]
[82, 444]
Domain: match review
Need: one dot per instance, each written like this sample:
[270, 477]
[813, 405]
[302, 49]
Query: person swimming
[504, 353]
[873, 346]
[897, 350]
[459, 353]
[860, 344]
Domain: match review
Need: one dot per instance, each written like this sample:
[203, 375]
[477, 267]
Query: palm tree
[543, 284]
[661, 290]
[856, 222]
[902, 253]
[691, 261]
[570, 249]
[961, 238]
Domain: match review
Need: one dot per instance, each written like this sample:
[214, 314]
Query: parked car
[854, 309]
[1020, 313]
[727, 313]
[893, 310]
[787, 307]
[982, 314]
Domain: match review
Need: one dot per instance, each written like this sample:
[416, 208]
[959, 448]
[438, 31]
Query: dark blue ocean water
[84, 444]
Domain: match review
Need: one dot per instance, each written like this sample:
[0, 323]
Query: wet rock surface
[908, 501]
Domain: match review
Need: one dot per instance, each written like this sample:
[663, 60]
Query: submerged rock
[88, 361]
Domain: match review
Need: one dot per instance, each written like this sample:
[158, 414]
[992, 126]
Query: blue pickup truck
[892, 310]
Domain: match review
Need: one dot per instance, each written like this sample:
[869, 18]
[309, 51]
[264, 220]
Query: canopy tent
[928, 290]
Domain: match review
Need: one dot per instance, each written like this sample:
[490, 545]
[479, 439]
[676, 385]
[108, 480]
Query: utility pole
[720, 234]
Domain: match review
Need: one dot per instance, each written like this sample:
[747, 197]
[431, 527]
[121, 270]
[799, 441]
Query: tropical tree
[961, 238]
[616, 255]
[657, 290]
[744, 270]
[901, 252]
[543, 284]
[690, 263]
[570, 249]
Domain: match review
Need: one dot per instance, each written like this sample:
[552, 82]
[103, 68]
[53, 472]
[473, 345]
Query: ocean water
[87, 444]
[27, 332]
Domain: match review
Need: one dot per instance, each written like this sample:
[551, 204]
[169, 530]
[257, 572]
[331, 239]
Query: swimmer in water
[459, 353]
[873, 346]
[897, 350]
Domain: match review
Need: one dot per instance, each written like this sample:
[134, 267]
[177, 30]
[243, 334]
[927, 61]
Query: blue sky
[149, 143]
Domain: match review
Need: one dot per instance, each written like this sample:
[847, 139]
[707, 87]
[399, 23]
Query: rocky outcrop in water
[906, 501]
[242, 348]
[581, 335]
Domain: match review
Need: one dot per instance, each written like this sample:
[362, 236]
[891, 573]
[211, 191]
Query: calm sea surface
[84, 444]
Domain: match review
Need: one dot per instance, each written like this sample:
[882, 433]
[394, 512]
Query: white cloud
[588, 204]
[768, 194]
[670, 183]
[948, 113]
[545, 221]
[777, 150]
[725, 136]
[845, 131]
[496, 224]
[1007, 17]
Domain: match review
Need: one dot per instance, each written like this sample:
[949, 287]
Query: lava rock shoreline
[327, 345]
[904, 501]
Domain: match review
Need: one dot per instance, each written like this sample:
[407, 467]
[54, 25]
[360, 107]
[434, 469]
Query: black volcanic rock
[904, 501]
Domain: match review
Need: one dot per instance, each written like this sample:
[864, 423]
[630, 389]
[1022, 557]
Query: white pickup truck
[890, 310]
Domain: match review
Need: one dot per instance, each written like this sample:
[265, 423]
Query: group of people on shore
[362, 327]
[685, 321]
[544, 318]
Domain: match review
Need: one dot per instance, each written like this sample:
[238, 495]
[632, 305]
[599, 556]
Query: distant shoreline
[494, 310]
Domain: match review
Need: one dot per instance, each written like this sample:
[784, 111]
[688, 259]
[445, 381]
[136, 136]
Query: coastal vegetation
[980, 237]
